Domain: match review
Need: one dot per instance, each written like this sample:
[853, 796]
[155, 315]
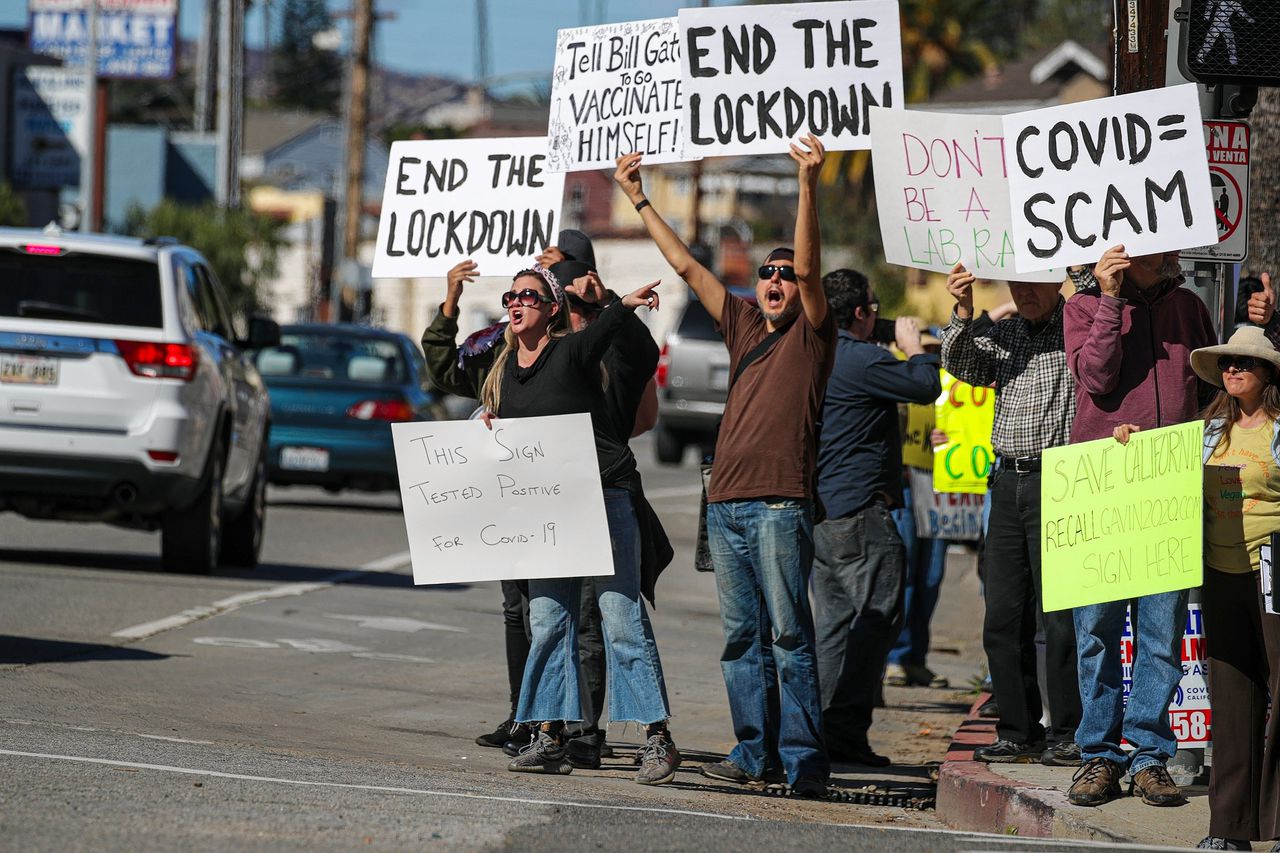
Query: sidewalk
[1030, 800]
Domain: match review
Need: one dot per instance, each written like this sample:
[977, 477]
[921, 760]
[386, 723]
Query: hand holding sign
[960, 285]
[462, 273]
[627, 177]
[1109, 271]
[809, 158]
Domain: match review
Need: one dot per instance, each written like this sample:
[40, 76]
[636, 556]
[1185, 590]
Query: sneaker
[584, 751]
[855, 753]
[810, 788]
[919, 675]
[1214, 842]
[727, 771]
[1064, 753]
[658, 760]
[1009, 752]
[498, 736]
[1156, 787]
[895, 675]
[1096, 782]
[544, 754]
[519, 737]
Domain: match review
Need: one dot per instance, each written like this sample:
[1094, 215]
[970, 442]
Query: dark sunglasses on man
[785, 273]
[1239, 362]
[527, 298]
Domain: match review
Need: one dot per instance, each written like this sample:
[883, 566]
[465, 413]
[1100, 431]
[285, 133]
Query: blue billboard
[137, 39]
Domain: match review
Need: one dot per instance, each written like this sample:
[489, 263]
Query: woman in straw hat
[1242, 510]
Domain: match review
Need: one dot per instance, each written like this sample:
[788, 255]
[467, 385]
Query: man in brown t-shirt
[761, 497]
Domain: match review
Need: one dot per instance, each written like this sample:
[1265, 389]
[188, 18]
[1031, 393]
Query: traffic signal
[1230, 41]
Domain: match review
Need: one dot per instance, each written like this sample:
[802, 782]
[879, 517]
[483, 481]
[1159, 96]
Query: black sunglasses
[785, 273]
[1239, 362]
[527, 298]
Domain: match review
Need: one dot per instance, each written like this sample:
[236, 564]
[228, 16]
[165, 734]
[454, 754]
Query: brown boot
[1156, 787]
[1096, 782]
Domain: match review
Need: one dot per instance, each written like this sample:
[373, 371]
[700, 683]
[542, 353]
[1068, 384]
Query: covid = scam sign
[1119, 521]
[1125, 170]
[758, 77]
[519, 501]
[616, 89]
[136, 38]
[1227, 145]
[1190, 715]
[490, 200]
[965, 413]
[942, 190]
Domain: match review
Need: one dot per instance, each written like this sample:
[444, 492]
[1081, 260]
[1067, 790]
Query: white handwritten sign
[758, 77]
[942, 515]
[491, 200]
[942, 191]
[522, 500]
[1130, 169]
[615, 89]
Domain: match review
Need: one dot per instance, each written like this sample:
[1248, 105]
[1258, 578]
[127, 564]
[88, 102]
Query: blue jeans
[763, 554]
[637, 691]
[1157, 669]
[926, 563]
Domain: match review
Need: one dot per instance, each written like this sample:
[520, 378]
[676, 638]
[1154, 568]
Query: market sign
[1227, 144]
[136, 38]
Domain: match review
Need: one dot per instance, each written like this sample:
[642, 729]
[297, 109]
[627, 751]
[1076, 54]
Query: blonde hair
[557, 327]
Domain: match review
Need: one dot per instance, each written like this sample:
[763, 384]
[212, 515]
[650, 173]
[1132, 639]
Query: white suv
[125, 396]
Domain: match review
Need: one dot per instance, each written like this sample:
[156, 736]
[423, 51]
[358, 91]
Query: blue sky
[438, 36]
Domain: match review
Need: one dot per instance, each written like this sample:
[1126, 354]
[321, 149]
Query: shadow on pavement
[344, 506]
[29, 650]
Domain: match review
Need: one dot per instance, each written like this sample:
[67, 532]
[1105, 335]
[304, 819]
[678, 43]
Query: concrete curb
[971, 797]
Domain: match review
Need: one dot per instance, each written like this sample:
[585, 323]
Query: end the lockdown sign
[1122, 521]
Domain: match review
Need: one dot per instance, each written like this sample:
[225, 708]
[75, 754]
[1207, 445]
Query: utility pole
[206, 67]
[89, 163]
[482, 42]
[695, 215]
[230, 101]
[1141, 45]
[358, 118]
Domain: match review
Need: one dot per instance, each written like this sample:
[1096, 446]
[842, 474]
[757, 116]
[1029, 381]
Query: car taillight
[381, 410]
[36, 249]
[159, 361]
[663, 363]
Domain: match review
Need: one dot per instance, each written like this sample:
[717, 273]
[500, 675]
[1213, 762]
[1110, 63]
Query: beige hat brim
[1248, 340]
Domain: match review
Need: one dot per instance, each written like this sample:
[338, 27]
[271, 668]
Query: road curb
[971, 797]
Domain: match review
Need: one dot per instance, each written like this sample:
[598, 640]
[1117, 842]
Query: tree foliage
[13, 210]
[242, 247]
[305, 76]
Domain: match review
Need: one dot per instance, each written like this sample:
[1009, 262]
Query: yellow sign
[965, 413]
[917, 449]
[1121, 521]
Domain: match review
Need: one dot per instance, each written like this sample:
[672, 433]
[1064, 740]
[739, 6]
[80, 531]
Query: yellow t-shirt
[1242, 500]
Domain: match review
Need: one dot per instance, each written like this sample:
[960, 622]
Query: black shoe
[860, 754]
[584, 750]
[1062, 754]
[1214, 842]
[1008, 752]
[522, 734]
[498, 736]
[989, 710]
[810, 788]
[727, 771]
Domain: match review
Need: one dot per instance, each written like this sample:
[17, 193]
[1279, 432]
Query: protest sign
[917, 448]
[758, 77]
[615, 89]
[447, 200]
[1190, 715]
[942, 192]
[944, 516]
[965, 413]
[1129, 170]
[519, 501]
[1121, 521]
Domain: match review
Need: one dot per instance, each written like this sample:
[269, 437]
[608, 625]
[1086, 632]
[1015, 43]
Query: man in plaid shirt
[1024, 358]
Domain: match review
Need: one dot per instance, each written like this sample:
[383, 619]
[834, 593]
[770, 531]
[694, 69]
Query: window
[80, 288]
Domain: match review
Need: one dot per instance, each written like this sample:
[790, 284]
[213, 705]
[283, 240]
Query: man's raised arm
[808, 235]
[709, 288]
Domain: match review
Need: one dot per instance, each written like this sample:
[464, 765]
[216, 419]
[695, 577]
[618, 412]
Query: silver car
[693, 382]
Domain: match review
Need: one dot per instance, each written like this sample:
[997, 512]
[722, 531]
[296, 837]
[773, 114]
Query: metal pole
[230, 100]
[87, 163]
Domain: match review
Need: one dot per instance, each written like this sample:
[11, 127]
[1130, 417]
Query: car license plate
[719, 378]
[28, 369]
[304, 459]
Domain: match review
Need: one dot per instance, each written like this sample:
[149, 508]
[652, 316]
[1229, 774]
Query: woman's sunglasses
[785, 273]
[527, 298]
[1239, 362]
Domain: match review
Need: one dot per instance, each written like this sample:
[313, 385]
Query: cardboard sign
[758, 77]
[1125, 170]
[616, 88]
[917, 448]
[1270, 577]
[490, 200]
[519, 501]
[966, 414]
[1190, 714]
[942, 190]
[1227, 145]
[944, 516]
[1122, 521]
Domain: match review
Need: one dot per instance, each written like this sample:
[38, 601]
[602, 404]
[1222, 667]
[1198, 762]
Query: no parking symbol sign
[1227, 144]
